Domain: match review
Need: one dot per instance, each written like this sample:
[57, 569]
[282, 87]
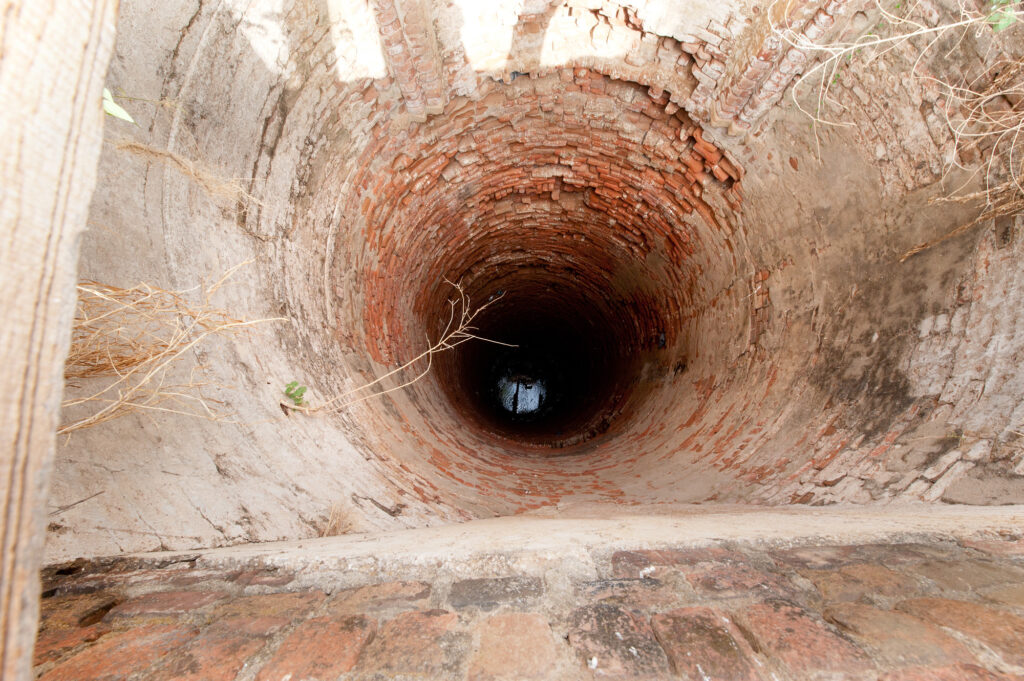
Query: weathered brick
[220, 651]
[488, 594]
[165, 603]
[730, 580]
[616, 643]
[858, 580]
[634, 564]
[999, 630]
[240, 629]
[74, 610]
[898, 639]
[959, 672]
[635, 593]
[1008, 548]
[381, 597]
[420, 643]
[704, 644]
[513, 647]
[320, 648]
[278, 606]
[264, 577]
[815, 557]
[1012, 595]
[120, 654]
[965, 575]
[803, 644]
[53, 644]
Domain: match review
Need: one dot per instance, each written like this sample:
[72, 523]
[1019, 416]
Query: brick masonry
[932, 610]
[801, 363]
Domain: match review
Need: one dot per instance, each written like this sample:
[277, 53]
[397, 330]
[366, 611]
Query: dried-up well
[703, 290]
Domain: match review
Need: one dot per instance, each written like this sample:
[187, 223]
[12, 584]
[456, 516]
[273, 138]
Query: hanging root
[217, 187]
[458, 330]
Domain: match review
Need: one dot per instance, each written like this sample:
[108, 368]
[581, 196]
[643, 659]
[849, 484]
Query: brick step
[933, 607]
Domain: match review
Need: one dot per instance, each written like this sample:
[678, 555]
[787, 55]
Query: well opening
[705, 291]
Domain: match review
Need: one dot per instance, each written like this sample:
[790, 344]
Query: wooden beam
[53, 59]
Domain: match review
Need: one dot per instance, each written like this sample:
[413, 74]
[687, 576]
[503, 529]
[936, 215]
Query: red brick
[854, 582]
[277, 606]
[71, 610]
[804, 644]
[67, 622]
[702, 643]
[219, 652]
[241, 628]
[997, 629]
[166, 603]
[380, 597]
[320, 648]
[413, 643]
[616, 643]
[896, 638]
[728, 580]
[644, 594]
[965, 575]
[513, 646]
[52, 644]
[117, 655]
[836, 556]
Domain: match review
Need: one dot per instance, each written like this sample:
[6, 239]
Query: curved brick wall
[735, 279]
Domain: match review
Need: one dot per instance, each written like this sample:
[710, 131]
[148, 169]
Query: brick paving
[879, 612]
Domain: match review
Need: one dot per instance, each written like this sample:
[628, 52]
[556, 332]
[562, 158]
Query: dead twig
[457, 330]
[61, 509]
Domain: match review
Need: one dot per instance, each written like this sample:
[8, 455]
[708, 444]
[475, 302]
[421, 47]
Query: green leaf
[1002, 19]
[294, 391]
[112, 108]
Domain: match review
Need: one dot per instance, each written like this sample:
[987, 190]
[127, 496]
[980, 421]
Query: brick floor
[897, 639]
[877, 612]
[801, 642]
[514, 646]
[999, 630]
[704, 643]
[117, 655]
[320, 648]
[616, 643]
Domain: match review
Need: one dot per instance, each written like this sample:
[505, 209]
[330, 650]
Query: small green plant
[112, 108]
[1003, 16]
[294, 392]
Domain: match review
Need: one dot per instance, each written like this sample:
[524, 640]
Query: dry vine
[212, 183]
[458, 330]
[986, 113]
[125, 341]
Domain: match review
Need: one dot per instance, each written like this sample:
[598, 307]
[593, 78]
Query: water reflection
[521, 395]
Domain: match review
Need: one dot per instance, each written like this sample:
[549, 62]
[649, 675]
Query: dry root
[230, 190]
[126, 342]
[991, 126]
[984, 115]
